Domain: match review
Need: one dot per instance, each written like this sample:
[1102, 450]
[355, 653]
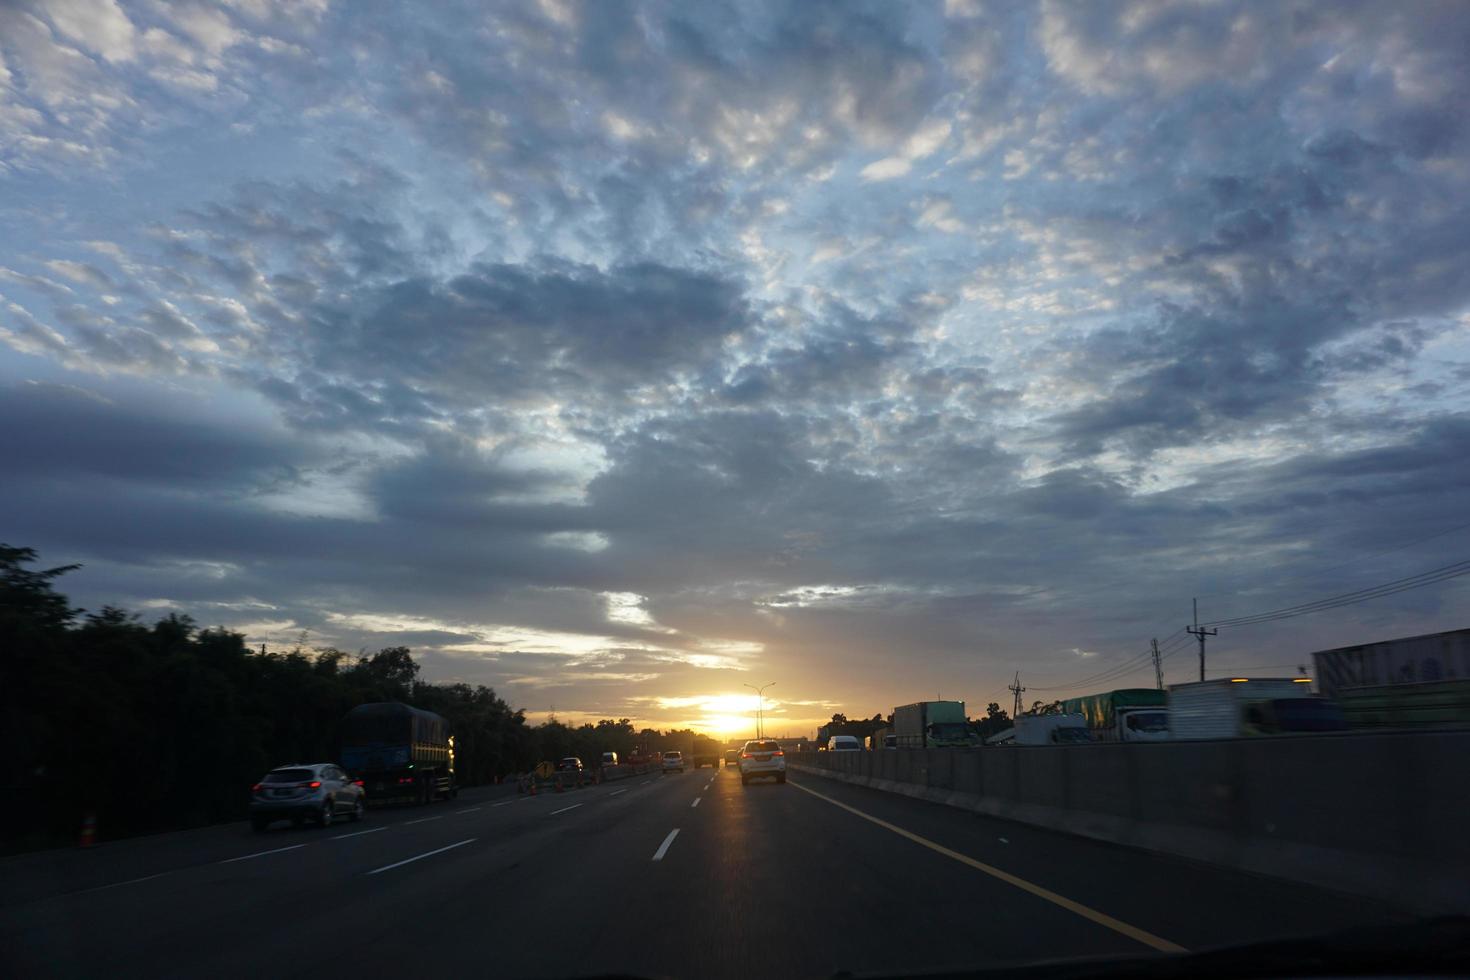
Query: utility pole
[1016, 689]
[1200, 635]
[1158, 665]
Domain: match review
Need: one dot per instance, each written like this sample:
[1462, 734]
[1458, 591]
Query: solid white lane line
[508, 802]
[663, 848]
[696, 802]
[407, 823]
[358, 833]
[468, 809]
[617, 791]
[247, 857]
[565, 809]
[420, 857]
[1093, 915]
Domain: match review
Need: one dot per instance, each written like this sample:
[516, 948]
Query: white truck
[1051, 730]
[1239, 707]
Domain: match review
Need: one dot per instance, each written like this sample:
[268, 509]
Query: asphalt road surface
[684, 875]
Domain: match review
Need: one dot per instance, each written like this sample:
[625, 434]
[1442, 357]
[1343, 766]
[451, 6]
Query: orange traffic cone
[559, 787]
[89, 830]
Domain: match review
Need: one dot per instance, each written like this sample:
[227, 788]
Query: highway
[684, 875]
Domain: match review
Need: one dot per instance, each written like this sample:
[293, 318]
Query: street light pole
[760, 710]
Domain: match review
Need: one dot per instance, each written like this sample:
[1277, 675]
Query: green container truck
[1131, 714]
[932, 725]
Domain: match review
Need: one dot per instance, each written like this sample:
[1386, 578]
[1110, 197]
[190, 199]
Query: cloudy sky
[619, 355]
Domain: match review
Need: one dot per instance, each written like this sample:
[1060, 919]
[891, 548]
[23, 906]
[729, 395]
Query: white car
[762, 759]
[318, 791]
[673, 762]
[844, 743]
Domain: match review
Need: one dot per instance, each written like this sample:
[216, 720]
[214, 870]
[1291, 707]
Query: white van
[844, 743]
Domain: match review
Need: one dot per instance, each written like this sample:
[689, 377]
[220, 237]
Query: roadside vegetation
[162, 725]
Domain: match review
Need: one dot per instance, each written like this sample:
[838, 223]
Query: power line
[1360, 559]
[1431, 577]
[1131, 665]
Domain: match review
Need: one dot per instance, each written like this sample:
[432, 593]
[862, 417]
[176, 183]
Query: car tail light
[357, 782]
[314, 784]
[778, 752]
[745, 755]
[255, 788]
[404, 779]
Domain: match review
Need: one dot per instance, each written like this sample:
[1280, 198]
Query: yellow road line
[1102, 919]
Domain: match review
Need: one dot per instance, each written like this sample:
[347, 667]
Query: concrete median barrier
[1381, 815]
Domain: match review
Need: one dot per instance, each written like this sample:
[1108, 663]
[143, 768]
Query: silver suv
[318, 791]
[763, 758]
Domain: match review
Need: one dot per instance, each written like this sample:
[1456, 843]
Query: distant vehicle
[1411, 682]
[706, 752]
[932, 725]
[319, 792]
[399, 751]
[883, 738]
[1237, 707]
[844, 743]
[1051, 730]
[732, 758]
[1133, 714]
[673, 761]
[570, 764]
[609, 759]
[640, 758]
[763, 758]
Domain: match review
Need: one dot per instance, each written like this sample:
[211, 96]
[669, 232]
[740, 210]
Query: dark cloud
[70, 434]
[506, 334]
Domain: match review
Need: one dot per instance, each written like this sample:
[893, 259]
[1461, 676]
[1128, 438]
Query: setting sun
[722, 715]
[728, 725]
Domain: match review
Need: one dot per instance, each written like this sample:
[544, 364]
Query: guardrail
[1374, 814]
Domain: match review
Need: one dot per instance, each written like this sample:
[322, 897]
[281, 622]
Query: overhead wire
[1131, 665]
[1433, 576]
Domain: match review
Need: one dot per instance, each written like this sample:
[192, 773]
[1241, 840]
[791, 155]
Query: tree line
[163, 726]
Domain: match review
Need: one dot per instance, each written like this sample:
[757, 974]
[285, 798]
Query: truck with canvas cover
[1130, 714]
[399, 752]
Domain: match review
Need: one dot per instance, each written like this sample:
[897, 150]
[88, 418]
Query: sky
[619, 356]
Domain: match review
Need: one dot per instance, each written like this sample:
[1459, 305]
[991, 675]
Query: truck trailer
[1239, 707]
[1411, 682]
[399, 752]
[931, 725]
